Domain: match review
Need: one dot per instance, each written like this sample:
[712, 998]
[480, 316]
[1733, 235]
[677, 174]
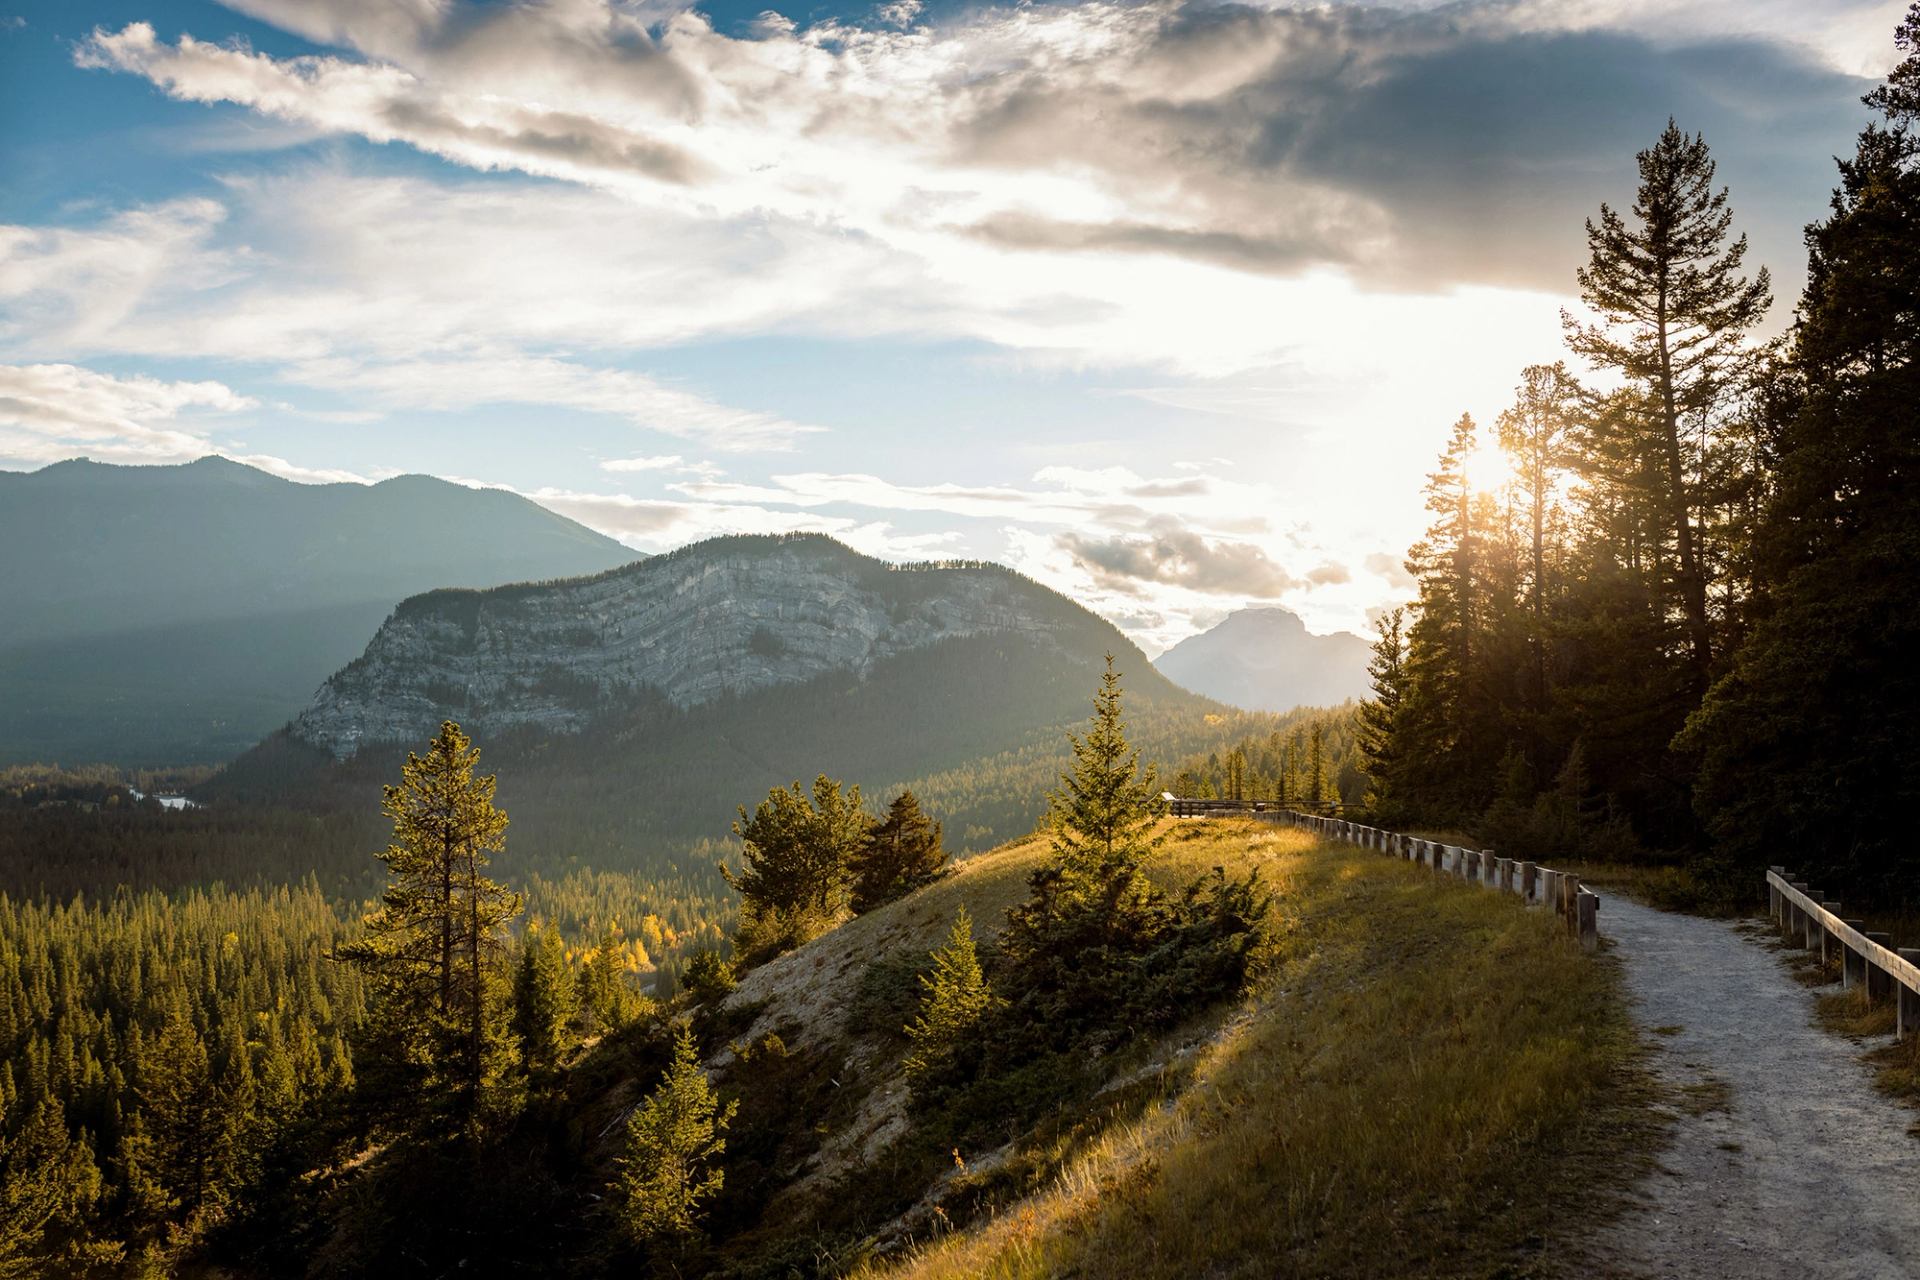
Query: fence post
[1879, 981]
[1908, 1016]
[1852, 963]
[1589, 919]
[1529, 876]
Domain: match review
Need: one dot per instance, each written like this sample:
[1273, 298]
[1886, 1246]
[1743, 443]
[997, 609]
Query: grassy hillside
[1422, 1079]
[1429, 1081]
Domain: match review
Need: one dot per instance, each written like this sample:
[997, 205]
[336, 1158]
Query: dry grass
[1431, 1081]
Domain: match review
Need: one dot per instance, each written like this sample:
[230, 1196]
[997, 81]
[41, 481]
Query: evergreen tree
[1101, 816]
[1808, 743]
[953, 999]
[1674, 312]
[901, 852]
[49, 1186]
[671, 1166]
[436, 946]
[1379, 717]
[709, 977]
[545, 999]
[1536, 433]
[607, 1000]
[796, 871]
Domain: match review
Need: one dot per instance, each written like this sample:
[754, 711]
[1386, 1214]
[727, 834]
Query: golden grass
[1430, 1081]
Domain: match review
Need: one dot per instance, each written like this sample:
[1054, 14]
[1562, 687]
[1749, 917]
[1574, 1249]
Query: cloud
[1392, 568]
[54, 411]
[1386, 142]
[506, 378]
[367, 287]
[1179, 558]
[1329, 574]
[385, 103]
[671, 464]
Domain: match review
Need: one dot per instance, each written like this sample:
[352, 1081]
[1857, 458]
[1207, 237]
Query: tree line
[1679, 620]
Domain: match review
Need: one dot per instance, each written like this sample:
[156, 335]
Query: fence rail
[1865, 958]
[1536, 885]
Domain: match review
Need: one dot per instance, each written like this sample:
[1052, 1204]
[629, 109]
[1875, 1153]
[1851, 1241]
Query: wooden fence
[1866, 960]
[1536, 885]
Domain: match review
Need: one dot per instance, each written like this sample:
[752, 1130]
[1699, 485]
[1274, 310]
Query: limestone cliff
[727, 616]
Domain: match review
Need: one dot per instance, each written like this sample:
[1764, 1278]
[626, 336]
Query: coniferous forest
[1671, 616]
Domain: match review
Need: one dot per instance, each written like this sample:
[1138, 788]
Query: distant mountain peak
[1264, 659]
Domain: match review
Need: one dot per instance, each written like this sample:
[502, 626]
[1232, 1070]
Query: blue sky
[1167, 303]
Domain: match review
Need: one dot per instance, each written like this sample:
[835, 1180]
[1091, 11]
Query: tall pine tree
[436, 947]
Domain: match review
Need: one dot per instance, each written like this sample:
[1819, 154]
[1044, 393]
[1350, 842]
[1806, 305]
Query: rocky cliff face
[727, 616]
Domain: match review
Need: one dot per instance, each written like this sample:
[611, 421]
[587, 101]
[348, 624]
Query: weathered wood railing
[1536, 885]
[1866, 960]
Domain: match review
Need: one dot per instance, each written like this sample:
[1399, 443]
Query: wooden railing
[1536, 885]
[1866, 960]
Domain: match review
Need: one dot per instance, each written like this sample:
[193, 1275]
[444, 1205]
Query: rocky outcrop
[728, 616]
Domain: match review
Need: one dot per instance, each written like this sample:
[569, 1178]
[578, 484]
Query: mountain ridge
[162, 615]
[1265, 659]
[726, 616]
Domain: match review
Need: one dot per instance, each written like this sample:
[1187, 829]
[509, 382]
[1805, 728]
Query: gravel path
[1785, 1161]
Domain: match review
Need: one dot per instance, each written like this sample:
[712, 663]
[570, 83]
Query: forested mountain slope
[167, 615]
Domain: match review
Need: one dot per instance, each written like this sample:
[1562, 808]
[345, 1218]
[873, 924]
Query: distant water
[166, 802]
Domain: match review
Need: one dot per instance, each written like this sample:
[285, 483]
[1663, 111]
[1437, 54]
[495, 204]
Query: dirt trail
[1785, 1161]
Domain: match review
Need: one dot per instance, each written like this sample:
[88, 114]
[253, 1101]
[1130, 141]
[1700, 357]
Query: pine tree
[545, 999]
[1808, 742]
[954, 997]
[796, 870]
[607, 1000]
[1101, 816]
[901, 853]
[49, 1186]
[1675, 311]
[436, 946]
[673, 1148]
[1379, 717]
[1536, 433]
[181, 1109]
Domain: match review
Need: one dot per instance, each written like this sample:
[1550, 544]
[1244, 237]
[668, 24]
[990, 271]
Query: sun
[1489, 468]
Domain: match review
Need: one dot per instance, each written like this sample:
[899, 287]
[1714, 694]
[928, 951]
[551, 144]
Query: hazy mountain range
[1267, 660]
[159, 615]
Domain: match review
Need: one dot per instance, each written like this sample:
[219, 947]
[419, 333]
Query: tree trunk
[1693, 584]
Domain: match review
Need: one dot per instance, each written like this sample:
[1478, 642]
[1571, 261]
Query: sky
[1169, 304]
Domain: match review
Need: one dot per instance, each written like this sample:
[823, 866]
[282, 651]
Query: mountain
[628, 712]
[174, 614]
[1267, 660]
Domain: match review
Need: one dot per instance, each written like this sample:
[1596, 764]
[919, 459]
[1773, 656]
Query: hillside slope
[1267, 660]
[1424, 1079]
[174, 614]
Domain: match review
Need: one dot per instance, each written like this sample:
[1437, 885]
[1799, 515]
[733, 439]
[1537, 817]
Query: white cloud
[54, 411]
